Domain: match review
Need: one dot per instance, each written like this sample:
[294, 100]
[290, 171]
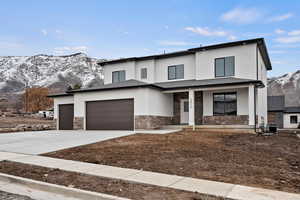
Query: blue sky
[114, 29]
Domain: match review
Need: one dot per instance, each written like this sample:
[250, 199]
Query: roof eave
[257, 83]
[116, 88]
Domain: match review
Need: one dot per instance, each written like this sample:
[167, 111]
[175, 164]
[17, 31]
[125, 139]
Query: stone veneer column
[55, 124]
[78, 123]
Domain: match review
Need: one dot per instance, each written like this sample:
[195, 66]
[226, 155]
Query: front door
[184, 111]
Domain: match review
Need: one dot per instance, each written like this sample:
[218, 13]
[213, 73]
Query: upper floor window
[118, 76]
[294, 119]
[176, 72]
[144, 73]
[225, 104]
[224, 66]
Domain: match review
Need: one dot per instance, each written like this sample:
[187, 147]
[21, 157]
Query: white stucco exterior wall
[286, 120]
[150, 66]
[147, 101]
[262, 93]
[129, 67]
[245, 61]
[157, 69]
[161, 66]
[242, 101]
[61, 100]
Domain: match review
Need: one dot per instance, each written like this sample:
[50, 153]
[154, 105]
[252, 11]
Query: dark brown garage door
[66, 114]
[110, 115]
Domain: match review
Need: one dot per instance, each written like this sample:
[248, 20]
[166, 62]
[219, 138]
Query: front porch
[200, 107]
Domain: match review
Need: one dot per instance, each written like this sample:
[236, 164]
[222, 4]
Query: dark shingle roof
[172, 84]
[292, 109]
[60, 95]
[260, 41]
[119, 85]
[275, 103]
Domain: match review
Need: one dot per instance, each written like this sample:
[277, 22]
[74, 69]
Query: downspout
[255, 121]
[255, 90]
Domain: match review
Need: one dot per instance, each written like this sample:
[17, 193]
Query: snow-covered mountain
[55, 72]
[288, 85]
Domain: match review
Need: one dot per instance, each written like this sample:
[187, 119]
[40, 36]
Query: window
[294, 119]
[224, 66]
[224, 104]
[144, 73]
[118, 76]
[176, 72]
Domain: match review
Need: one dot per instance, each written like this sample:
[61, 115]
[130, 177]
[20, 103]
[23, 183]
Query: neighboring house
[46, 113]
[222, 85]
[282, 116]
[291, 117]
[276, 106]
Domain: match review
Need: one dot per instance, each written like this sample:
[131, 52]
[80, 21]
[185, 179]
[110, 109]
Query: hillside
[56, 72]
[288, 85]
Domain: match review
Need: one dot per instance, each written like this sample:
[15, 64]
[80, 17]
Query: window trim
[224, 93]
[146, 72]
[225, 67]
[175, 66]
[118, 72]
[291, 119]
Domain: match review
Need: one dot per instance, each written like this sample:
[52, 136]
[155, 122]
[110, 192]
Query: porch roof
[207, 83]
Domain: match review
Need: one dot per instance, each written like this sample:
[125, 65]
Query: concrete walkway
[172, 181]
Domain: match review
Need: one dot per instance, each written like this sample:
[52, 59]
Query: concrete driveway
[39, 142]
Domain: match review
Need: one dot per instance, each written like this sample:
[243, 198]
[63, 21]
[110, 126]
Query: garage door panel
[110, 115]
[66, 115]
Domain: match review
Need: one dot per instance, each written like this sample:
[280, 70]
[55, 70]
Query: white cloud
[67, 50]
[205, 31]
[241, 15]
[44, 32]
[279, 31]
[288, 40]
[294, 33]
[277, 51]
[173, 43]
[277, 62]
[58, 31]
[281, 17]
[232, 37]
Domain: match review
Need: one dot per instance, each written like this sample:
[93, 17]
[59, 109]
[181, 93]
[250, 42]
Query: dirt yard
[271, 162]
[11, 122]
[97, 184]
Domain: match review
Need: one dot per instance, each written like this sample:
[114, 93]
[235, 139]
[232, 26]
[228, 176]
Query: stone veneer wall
[78, 123]
[176, 106]
[151, 122]
[272, 117]
[55, 125]
[198, 106]
[226, 120]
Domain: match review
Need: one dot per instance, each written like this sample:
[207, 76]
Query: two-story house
[221, 85]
